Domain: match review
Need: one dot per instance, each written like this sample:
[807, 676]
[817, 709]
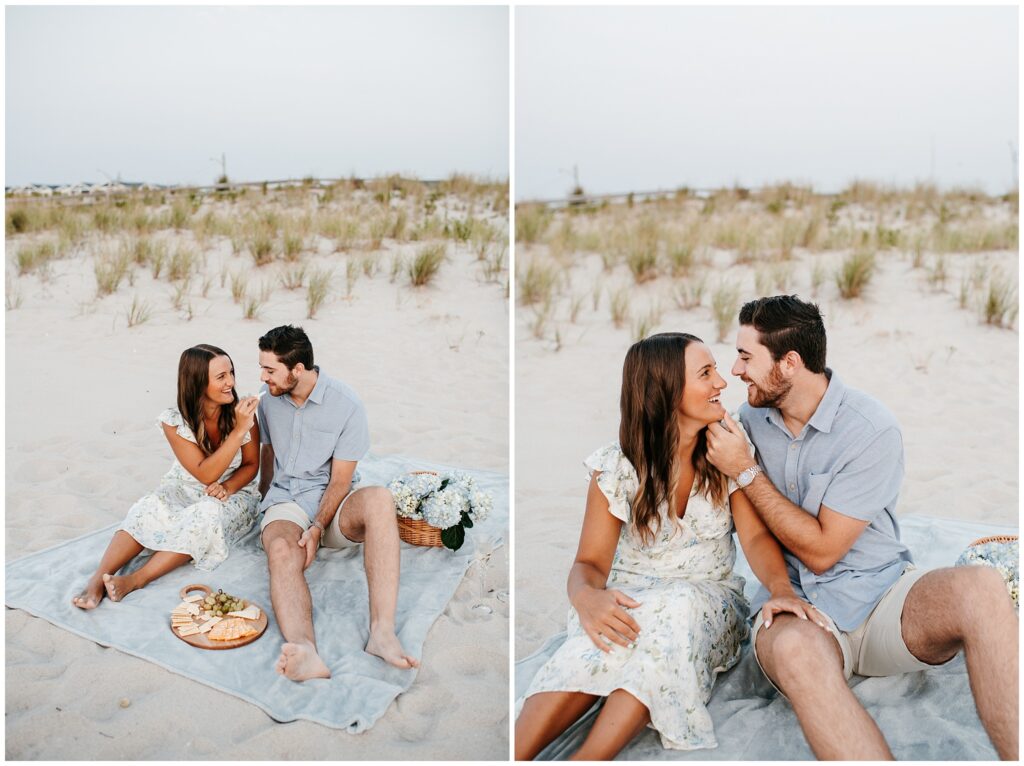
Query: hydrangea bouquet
[1003, 554]
[450, 502]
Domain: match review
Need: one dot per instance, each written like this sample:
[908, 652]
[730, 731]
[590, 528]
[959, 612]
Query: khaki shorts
[876, 647]
[332, 536]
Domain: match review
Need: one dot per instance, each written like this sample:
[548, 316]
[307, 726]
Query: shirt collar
[825, 414]
[317, 394]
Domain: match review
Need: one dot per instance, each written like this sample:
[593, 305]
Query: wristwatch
[744, 479]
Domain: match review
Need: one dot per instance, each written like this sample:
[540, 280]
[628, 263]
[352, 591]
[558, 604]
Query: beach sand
[83, 392]
[950, 380]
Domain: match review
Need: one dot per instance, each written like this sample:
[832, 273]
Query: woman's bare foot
[385, 644]
[91, 594]
[300, 662]
[119, 586]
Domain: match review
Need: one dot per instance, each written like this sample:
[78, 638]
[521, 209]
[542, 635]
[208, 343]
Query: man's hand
[310, 540]
[727, 449]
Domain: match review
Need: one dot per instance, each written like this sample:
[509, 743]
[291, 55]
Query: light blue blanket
[361, 687]
[924, 716]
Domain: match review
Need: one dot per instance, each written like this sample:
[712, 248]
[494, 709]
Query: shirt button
[792, 486]
[814, 594]
[793, 446]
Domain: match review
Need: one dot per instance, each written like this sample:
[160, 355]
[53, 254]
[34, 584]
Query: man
[829, 473]
[313, 431]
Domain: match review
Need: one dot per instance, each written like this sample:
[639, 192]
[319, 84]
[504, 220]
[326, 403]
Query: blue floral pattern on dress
[692, 617]
[180, 517]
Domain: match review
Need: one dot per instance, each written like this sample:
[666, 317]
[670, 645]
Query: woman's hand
[218, 491]
[245, 414]
[604, 619]
[790, 603]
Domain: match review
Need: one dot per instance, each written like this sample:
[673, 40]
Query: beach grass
[426, 263]
[854, 274]
[317, 290]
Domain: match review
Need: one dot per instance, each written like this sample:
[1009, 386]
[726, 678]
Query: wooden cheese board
[202, 640]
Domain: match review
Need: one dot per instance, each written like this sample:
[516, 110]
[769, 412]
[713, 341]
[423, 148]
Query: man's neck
[802, 401]
[305, 386]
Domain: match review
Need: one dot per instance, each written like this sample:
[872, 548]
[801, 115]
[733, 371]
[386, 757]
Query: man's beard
[289, 385]
[774, 390]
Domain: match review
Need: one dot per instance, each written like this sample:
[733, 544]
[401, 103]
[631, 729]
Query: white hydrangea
[480, 504]
[444, 508]
[406, 501]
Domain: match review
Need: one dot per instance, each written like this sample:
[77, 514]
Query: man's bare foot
[300, 662]
[91, 594]
[385, 644]
[118, 586]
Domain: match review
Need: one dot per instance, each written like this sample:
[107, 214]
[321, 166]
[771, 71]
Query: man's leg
[368, 516]
[807, 664]
[969, 608]
[293, 607]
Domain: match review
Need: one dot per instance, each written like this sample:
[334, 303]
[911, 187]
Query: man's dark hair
[787, 323]
[290, 344]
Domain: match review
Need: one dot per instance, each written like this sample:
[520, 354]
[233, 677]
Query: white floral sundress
[180, 517]
[693, 616]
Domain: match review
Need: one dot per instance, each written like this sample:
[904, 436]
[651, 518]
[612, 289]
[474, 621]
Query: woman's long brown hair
[652, 388]
[193, 378]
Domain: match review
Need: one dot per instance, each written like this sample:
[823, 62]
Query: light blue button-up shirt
[330, 425]
[849, 457]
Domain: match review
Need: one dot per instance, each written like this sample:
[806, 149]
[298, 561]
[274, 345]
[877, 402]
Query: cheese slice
[194, 597]
[251, 612]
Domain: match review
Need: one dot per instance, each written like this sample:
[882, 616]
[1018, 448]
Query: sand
[950, 380]
[83, 390]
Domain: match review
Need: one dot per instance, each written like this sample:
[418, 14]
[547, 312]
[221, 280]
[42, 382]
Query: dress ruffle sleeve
[616, 478]
[733, 486]
[172, 417]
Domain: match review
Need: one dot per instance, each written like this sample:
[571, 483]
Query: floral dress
[180, 517]
[692, 617]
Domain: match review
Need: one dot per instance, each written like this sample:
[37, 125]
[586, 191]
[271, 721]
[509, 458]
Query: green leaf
[444, 483]
[466, 521]
[453, 537]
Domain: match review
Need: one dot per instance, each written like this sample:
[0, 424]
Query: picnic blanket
[361, 686]
[929, 715]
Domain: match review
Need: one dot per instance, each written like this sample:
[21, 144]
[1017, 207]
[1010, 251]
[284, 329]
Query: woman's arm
[764, 554]
[208, 468]
[250, 464]
[600, 609]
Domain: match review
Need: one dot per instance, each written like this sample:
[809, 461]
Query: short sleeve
[261, 415]
[172, 417]
[733, 486]
[870, 482]
[616, 478]
[354, 440]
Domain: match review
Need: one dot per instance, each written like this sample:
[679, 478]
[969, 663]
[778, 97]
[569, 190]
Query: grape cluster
[220, 603]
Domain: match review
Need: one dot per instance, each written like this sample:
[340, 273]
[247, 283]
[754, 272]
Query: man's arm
[819, 542]
[337, 488]
[266, 469]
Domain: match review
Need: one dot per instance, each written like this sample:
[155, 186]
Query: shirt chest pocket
[817, 484]
[317, 448]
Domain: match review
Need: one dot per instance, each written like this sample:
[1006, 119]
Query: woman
[208, 499]
[656, 611]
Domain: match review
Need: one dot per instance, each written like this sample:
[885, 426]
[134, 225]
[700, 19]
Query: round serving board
[200, 640]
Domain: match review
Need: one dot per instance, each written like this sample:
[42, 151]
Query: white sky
[659, 97]
[153, 93]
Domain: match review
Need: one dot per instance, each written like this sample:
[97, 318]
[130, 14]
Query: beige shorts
[876, 647]
[332, 536]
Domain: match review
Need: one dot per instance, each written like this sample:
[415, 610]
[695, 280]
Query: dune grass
[427, 262]
[855, 273]
[138, 313]
[317, 290]
[1000, 303]
[725, 306]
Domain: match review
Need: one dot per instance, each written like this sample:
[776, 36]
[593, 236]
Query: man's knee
[794, 649]
[981, 589]
[282, 546]
[377, 506]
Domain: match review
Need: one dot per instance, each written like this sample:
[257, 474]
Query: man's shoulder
[862, 410]
[338, 393]
[752, 417]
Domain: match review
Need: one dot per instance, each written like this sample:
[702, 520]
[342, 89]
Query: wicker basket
[993, 539]
[419, 532]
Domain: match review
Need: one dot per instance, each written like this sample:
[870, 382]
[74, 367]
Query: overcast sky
[658, 97]
[153, 93]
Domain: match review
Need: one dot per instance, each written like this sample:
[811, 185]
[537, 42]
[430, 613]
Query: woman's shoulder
[610, 457]
[172, 417]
